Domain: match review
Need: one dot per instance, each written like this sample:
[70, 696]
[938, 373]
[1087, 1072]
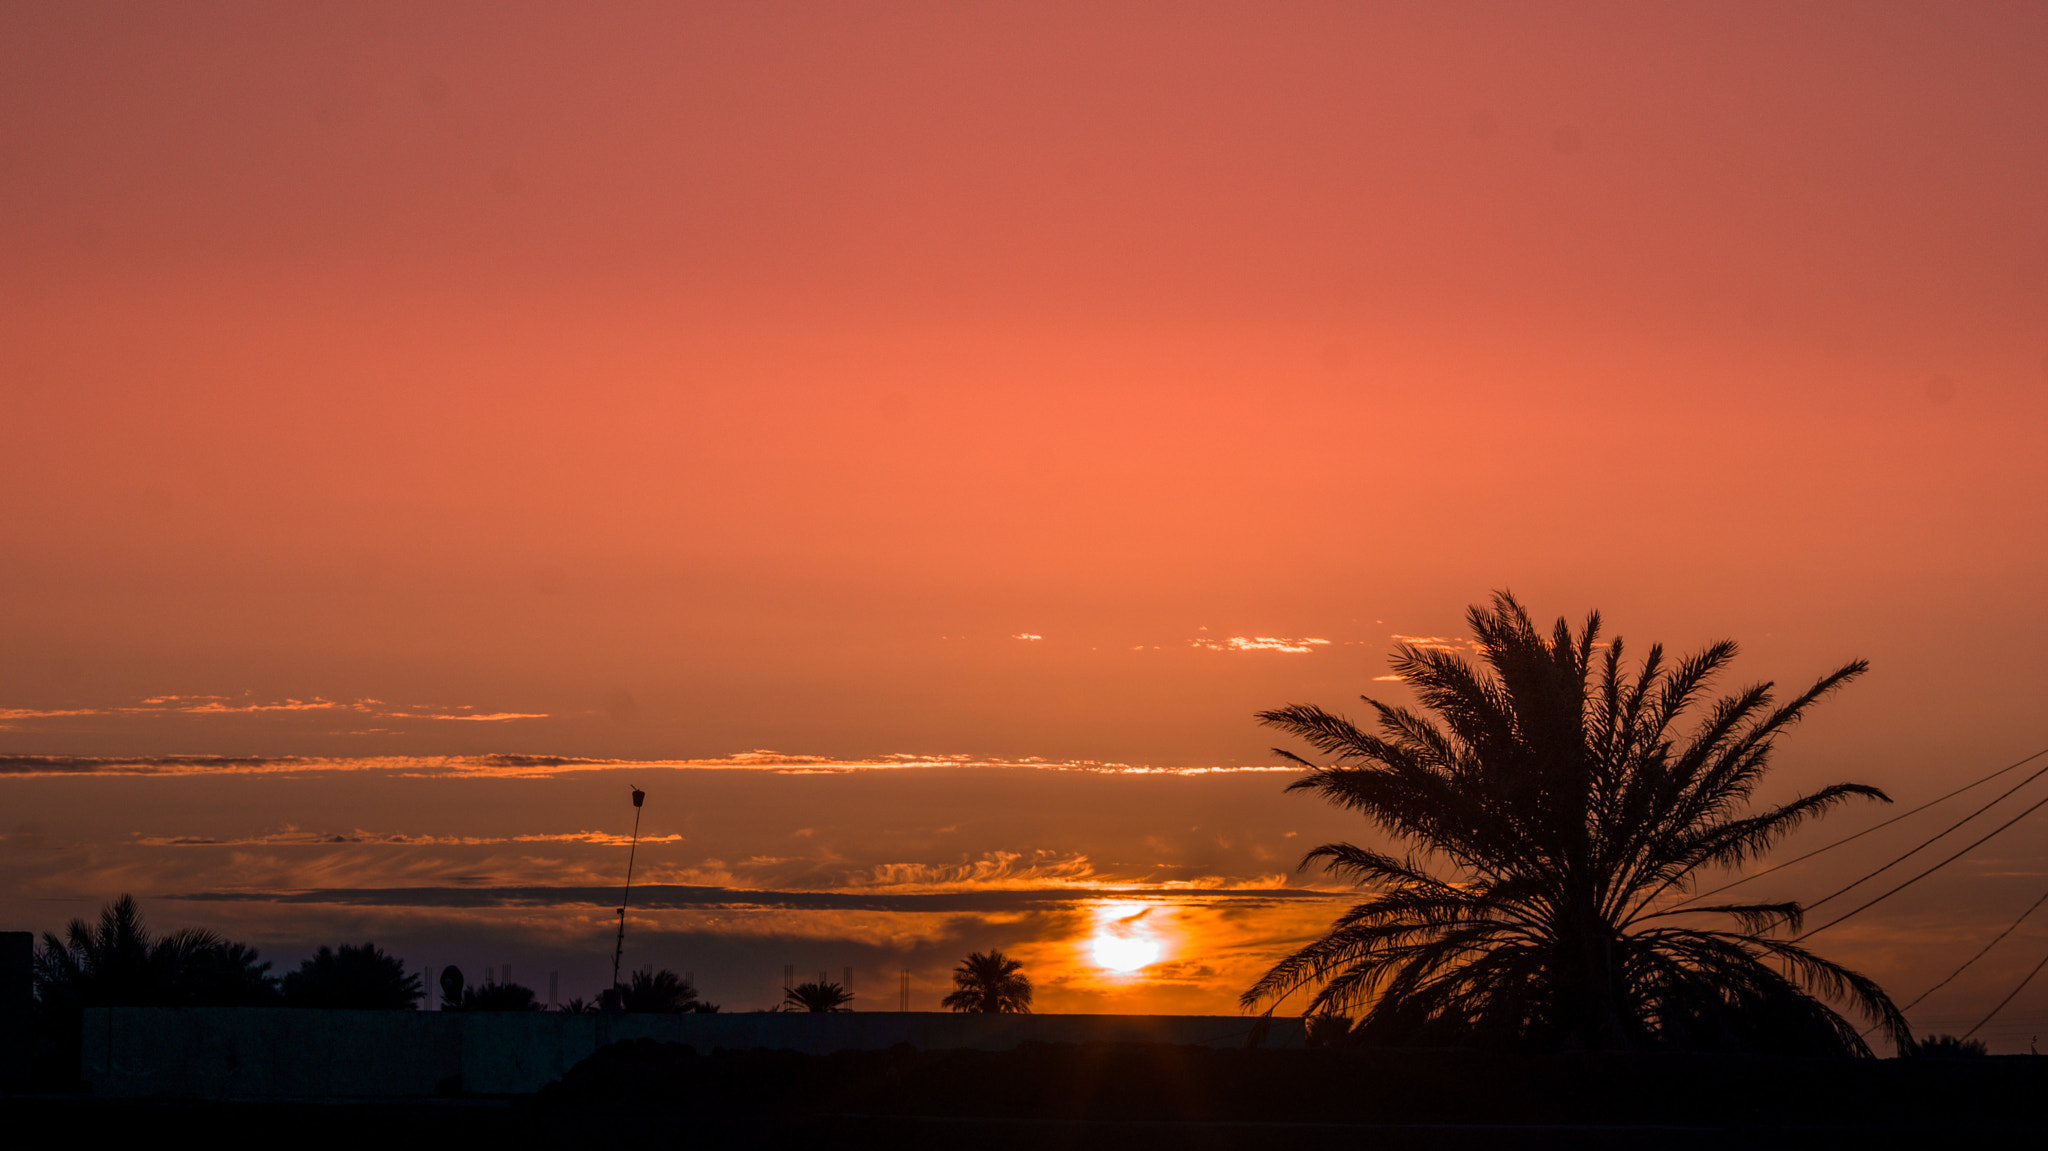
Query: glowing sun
[1123, 953]
[1122, 943]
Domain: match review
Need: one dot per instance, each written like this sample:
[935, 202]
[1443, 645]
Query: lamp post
[619, 949]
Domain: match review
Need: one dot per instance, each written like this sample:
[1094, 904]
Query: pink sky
[669, 381]
[728, 376]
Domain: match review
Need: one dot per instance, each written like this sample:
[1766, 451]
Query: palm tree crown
[663, 992]
[820, 997]
[1550, 812]
[116, 961]
[990, 982]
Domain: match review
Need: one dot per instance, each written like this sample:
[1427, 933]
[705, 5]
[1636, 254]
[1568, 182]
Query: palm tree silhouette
[663, 992]
[1551, 814]
[819, 997]
[990, 982]
[117, 962]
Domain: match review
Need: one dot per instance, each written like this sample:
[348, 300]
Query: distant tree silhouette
[663, 993]
[578, 1006]
[359, 978]
[497, 997]
[989, 982]
[1949, 1047]
[818, 997]
[1556, 812]
[1328, 1029]
[116, 962]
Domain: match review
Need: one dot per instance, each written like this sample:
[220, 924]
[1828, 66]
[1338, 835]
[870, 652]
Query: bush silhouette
[356, 978]
[1949, 1047]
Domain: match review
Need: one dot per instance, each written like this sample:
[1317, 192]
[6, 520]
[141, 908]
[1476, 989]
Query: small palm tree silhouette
[819, 997]
[663, 992]
[990, 982]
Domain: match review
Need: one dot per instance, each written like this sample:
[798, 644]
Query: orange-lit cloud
[1300, 646]
[541, 766]
[220, 705]
[295, 836]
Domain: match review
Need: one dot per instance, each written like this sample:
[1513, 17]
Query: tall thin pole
[619, 949]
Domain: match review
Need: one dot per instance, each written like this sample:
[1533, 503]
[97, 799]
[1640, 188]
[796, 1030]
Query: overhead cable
[2037, 805]
[1931, 840]
[2009, 996]
[1880, 826]
[1981, 953]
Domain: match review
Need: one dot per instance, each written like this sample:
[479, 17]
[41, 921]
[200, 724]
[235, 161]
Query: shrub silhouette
[458, 995]
[1949, 1047]
[357, 978]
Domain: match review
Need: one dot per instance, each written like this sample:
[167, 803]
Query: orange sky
[669, 381]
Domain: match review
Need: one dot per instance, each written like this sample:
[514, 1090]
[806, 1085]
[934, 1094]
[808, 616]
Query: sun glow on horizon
[1123, 943]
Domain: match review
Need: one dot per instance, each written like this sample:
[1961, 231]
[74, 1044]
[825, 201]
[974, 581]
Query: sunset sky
[964, 402]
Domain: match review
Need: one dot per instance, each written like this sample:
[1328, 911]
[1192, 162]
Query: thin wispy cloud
[669, 896]
[170, 706]
[13, 713]
[1292, 646]
[992, 869]
[542, 766]
[293, 836]
[1434, 642]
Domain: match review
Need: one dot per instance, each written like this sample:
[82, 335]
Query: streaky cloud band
[680, 897]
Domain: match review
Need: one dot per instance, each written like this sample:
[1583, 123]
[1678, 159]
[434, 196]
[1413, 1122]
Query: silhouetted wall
[269, 1051]
[17, 1002]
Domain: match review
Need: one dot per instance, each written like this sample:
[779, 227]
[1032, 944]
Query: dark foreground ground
[1131, 1096]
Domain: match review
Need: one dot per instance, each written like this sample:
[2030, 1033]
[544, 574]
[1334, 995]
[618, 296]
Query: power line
[2009, 996]
[1981, 953]
[1881, 826]
[1930, 840]
[2038, 804]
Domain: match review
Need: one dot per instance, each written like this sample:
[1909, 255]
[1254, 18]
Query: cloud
[1025, 635]
[989, 870]
[146, 765]
[221, 707]
[1436, 642]
[167, 706]
[292, 836]
[506, 766]
[7, 713]
[675, 896]
[1300, 646]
